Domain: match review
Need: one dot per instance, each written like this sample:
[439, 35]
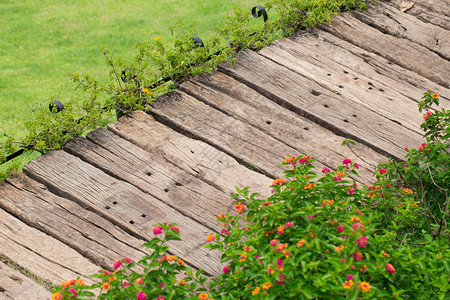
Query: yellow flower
[267, 285]
[157, 38]
[154, 52]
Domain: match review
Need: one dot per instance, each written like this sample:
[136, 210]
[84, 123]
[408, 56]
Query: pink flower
[358, 256]
[161, 298]
[226, 269]
[362, 242]
[141, 296]
[343, 260]
[358, 225]
[350, 277]
[347, 161]
[127, 260]
[117, 264]
[157, 230]
[240, 207]
[273, 242]
[139, 280]
[427, 114]
[340, 228]
[382, 171]
[125, 284]
[289, 224]
[423, 146]
[351, 191]
[326, 170]
[281, 281]
[74, 293]
[161, 285]
[311, 217]
[356, 166]
[302, 161]
[175, 228]
[225, 232]
[390, 268]
[406, 148]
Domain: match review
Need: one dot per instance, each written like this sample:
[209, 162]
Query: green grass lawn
[43, 41]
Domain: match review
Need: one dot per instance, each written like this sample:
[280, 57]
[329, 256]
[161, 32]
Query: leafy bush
[427, 169]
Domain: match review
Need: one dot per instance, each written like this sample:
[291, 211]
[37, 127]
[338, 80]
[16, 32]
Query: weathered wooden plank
[14, 285]
[350, 84]
[191, 155]
[378, 69]
[41, 254]
[403, 52]
[85, 231]
[243, 103]
[430, 11]
[392, 21]
[305, 97]
[248, 144]
[122, 203]
[164, 181]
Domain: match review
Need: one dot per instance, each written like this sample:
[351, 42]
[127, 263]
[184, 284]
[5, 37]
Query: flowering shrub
[156, 276]
[427, 169]
[328, 238]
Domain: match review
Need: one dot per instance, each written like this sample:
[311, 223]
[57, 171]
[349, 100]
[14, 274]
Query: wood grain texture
[430, 11]
[94, 237]
[392, 21]
[403, 52]
[40, 254]
[15, 285]
[381, 71]
[191, 155]
[307, 98]
[352, 85]
[167, 183]
[245, 104]
[123, 204]
[249, 145]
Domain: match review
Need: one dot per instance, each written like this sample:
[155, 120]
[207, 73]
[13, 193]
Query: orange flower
[157, 38]
[301, 243]
[348, 284]
[279, 181]
[435, 96]
[56, 296]
[256, 291]
[267, 285]
[106, 286]
[210, 238]
[340, 248]
[203, 296]
[365, 286]
[180, 262]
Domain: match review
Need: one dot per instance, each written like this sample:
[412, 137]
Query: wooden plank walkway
[360, 77]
